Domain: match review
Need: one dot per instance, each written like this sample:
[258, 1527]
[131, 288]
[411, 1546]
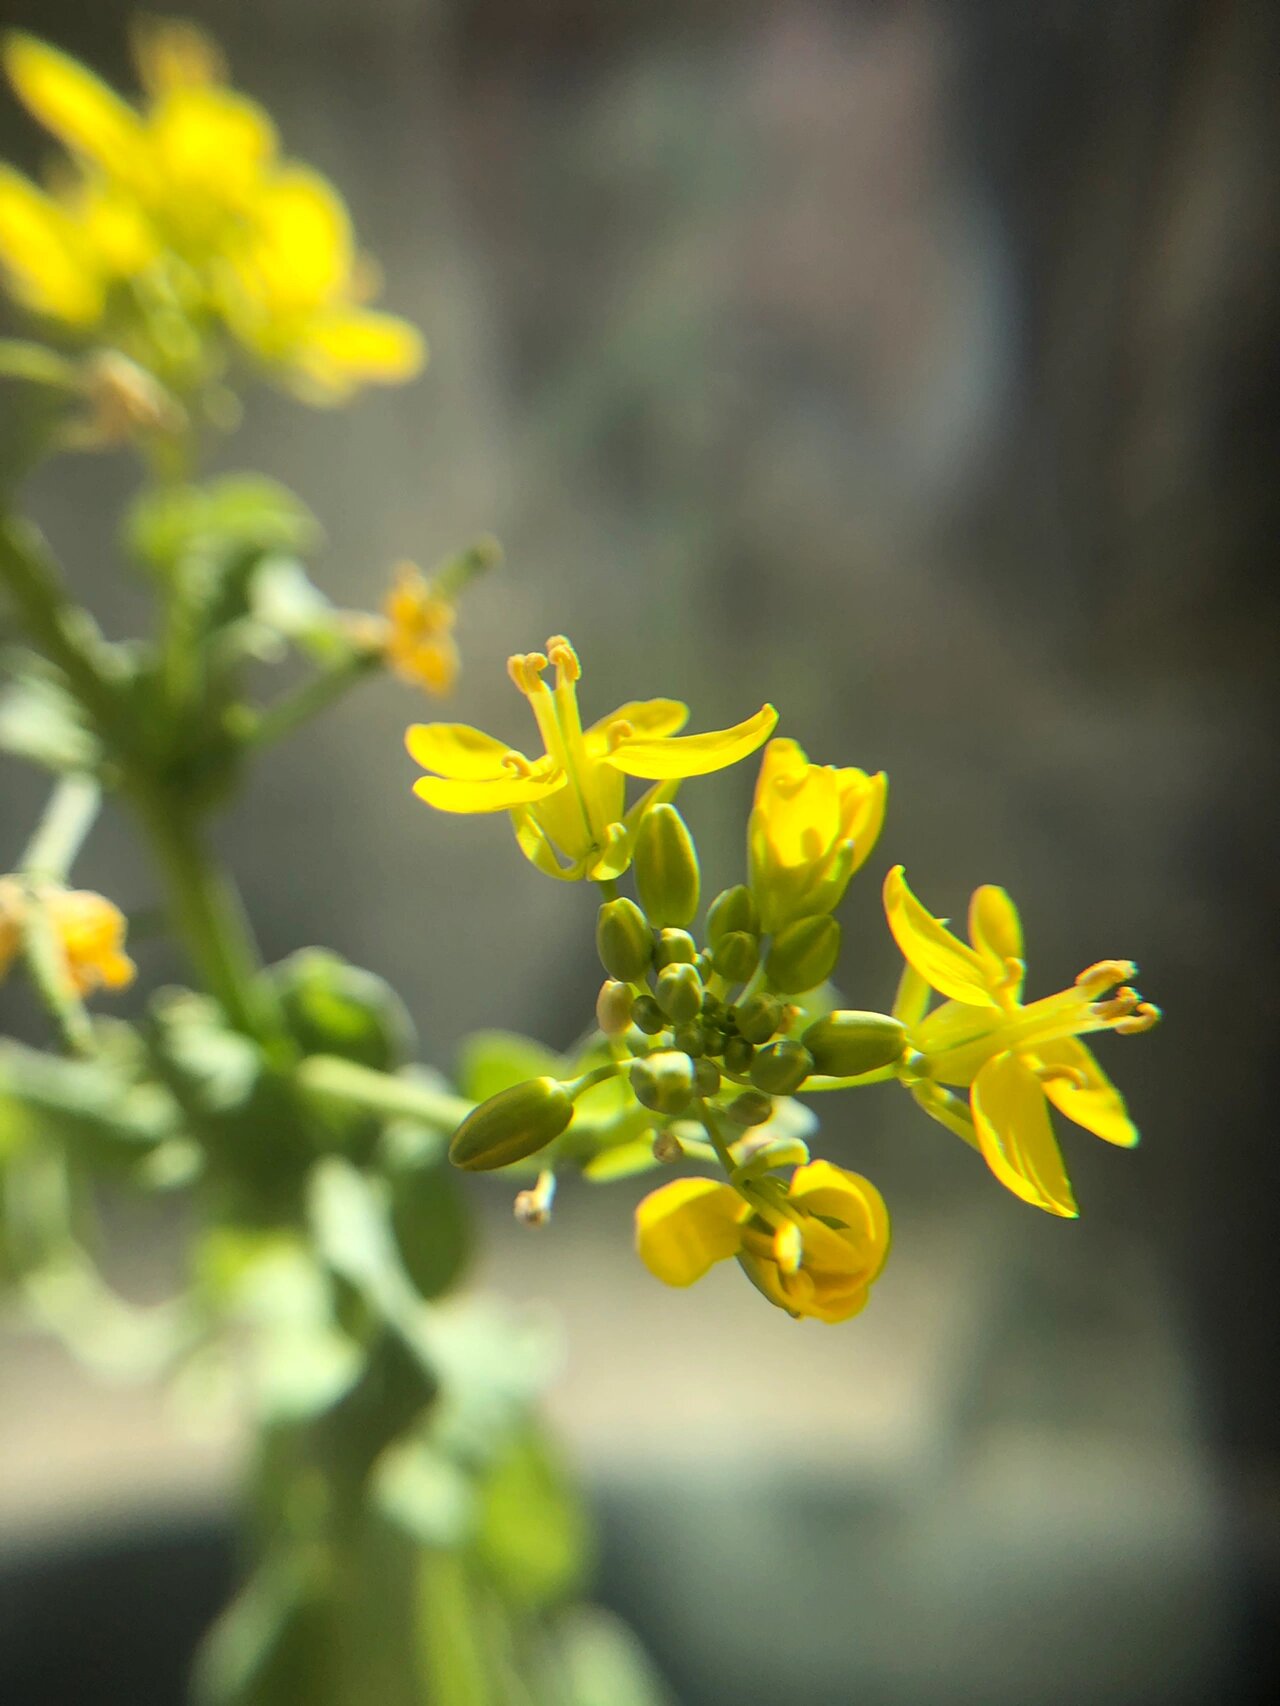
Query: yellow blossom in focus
[568, 806]
[89, 929]
[812, 826]
[181, 218]
[1014, 1059]
[813, 1250]
[419, 643]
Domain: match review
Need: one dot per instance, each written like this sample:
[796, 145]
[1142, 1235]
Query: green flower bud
[624, 940]
[781, 1067]
[706, 965]
[679, 993]
[613, 1007]
[514, 1123]
[673, 948]
[664, 1082]
[736, 955]
[845, 1044]
[752, 1107]
[706, 1077]
[690, 1037]
[732, 910]
[803, 955]
[738, 1055]
[646, 1013]
[666, 867]
[758, 1018]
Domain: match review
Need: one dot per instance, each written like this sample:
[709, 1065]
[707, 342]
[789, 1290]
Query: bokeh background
[913, 366]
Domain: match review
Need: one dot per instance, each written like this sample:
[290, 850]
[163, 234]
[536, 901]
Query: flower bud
[673, 948]
[668, 1148]
[804, 955]
[624, 940]
[706, 1076]
[846, 1044]
[736, 955]
[664, 1082]
[690, 1038]
[752, 1107]
[732, 910]
[666, 867]
[781, 1067]
[516, 1122]
[679, 993]
[738, 1055]
[758, 1017]
[646, 1014]
[613, 1007]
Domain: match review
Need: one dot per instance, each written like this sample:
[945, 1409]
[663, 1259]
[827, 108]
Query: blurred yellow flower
[90, 932]
[568, 806]
[182, 218]
[812, 826]
[419, 643]
[1012, 1058]
[814, 1250]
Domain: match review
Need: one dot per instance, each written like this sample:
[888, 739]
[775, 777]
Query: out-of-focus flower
[90, 932]
[182, 219]
[812, 826]
[814, 1250]
[419, 643]
[1013, 1059]
[568, 806]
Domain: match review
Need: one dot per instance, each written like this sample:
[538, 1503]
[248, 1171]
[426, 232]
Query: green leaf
[603, 1664]
[533, 1536]
[424, 1492]
[431, 1226]
[41, 721]
[333, 1007]
[490, 1061]
[219, 521]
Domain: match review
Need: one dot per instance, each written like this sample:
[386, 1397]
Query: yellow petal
[649, 719]
[1098, 1106]
[212, 141]
[823, 1189]
[684, 1228]
[48, 268]
[1015, 1136]
[941, 958]
[693, 755]
[458, 751]
[74, 104]
[499, 795]
[349, 346]
[868, 817]
[996, 933]
[536, 846]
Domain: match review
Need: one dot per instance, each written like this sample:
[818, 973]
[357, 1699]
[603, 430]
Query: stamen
[616, 733]
[533, 1207]
[788, 1248]
[1121, 1004]
[1062, 1075]
[1143, 1017]
[517, 763]
[1014, 972]
[1104, 975]
[525, 669]
[563, 656]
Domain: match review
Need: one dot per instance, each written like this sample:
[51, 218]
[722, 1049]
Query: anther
[1120, 1006]
[533, 1207]
[1071, 1075]
[525, 668]
[1144, 1016]
[788, 1248]
[668, 1148]
[517, 763]
[561, 653]
[1105, 974]
[616, 733]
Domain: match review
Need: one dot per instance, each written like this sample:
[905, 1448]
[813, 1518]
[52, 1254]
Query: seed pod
[758, 1018]
[673, 948]
[752, 1107]
[664, 1081]
[846, 1043]
[613, 1007]
[666, 867]
[738, 1055]
[736, 955]
[732, 910]
[624, 940]
[803, 955]
[679, 993]
[646, 1013]
[781, 1067]
[516, 1122]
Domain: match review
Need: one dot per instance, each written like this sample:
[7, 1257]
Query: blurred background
[913, 366]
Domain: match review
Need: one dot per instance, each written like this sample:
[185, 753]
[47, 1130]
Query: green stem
[261, 728]
[22, 360]
[60, 834]
[333, 1079]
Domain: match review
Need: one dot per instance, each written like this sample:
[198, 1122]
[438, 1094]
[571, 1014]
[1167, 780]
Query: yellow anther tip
[525, 670]
[1105, 974]
[561, 653]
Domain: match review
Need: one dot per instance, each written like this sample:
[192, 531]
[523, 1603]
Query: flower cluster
[179, 226]
[702, 1044]
[88, 933]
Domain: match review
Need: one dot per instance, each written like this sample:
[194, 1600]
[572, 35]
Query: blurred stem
[22, 360]
[361, 1087]
[263, 727]
[47, 965]
[60, 834]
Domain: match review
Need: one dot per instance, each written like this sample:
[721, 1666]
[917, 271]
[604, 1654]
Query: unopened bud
[736, 956]
[846, 1044]
[679, 993]
[664, 1081]
[690, 1038]
[752, 1107]
[673, 948]
[624, 940]
[758, 1018]
[668, 1148]
[804, 955]
[647, 1015]
[781, 1067]
[706, 1077]
[613, 1007]
[514, 1123]
[732, 910]
[738, 1055]
[666, 867]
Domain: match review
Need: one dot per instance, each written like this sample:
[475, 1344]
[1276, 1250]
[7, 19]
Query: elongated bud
[516, 1122]
[752, 1107]
[736, 955]
[781, 1067]
[803, 955]
[624, 940]
[673, 948]
[646, 1013]
[666, 867]
[758, 1017]
[732, 910]
[613, 1007]
[664, 1082]
[679, 993]
[848, 1043]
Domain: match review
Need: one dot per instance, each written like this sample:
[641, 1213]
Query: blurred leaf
[425, 1493]
[492, 1362]
[533, 1537]
[41, 721]
[490, 1061]
[333, 1007]
[431, 1226]
[603, 1663]
[169, 527]
[455, 1642]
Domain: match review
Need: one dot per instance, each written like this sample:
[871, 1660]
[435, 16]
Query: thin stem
[333, 1079]
[261, 728]
[60, 834]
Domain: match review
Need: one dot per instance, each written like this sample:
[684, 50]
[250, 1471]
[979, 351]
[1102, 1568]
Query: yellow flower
[1012, 1058]
[90, 931]
[569, 806]
[419, 643]
[812, 826]
[813, 1250]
